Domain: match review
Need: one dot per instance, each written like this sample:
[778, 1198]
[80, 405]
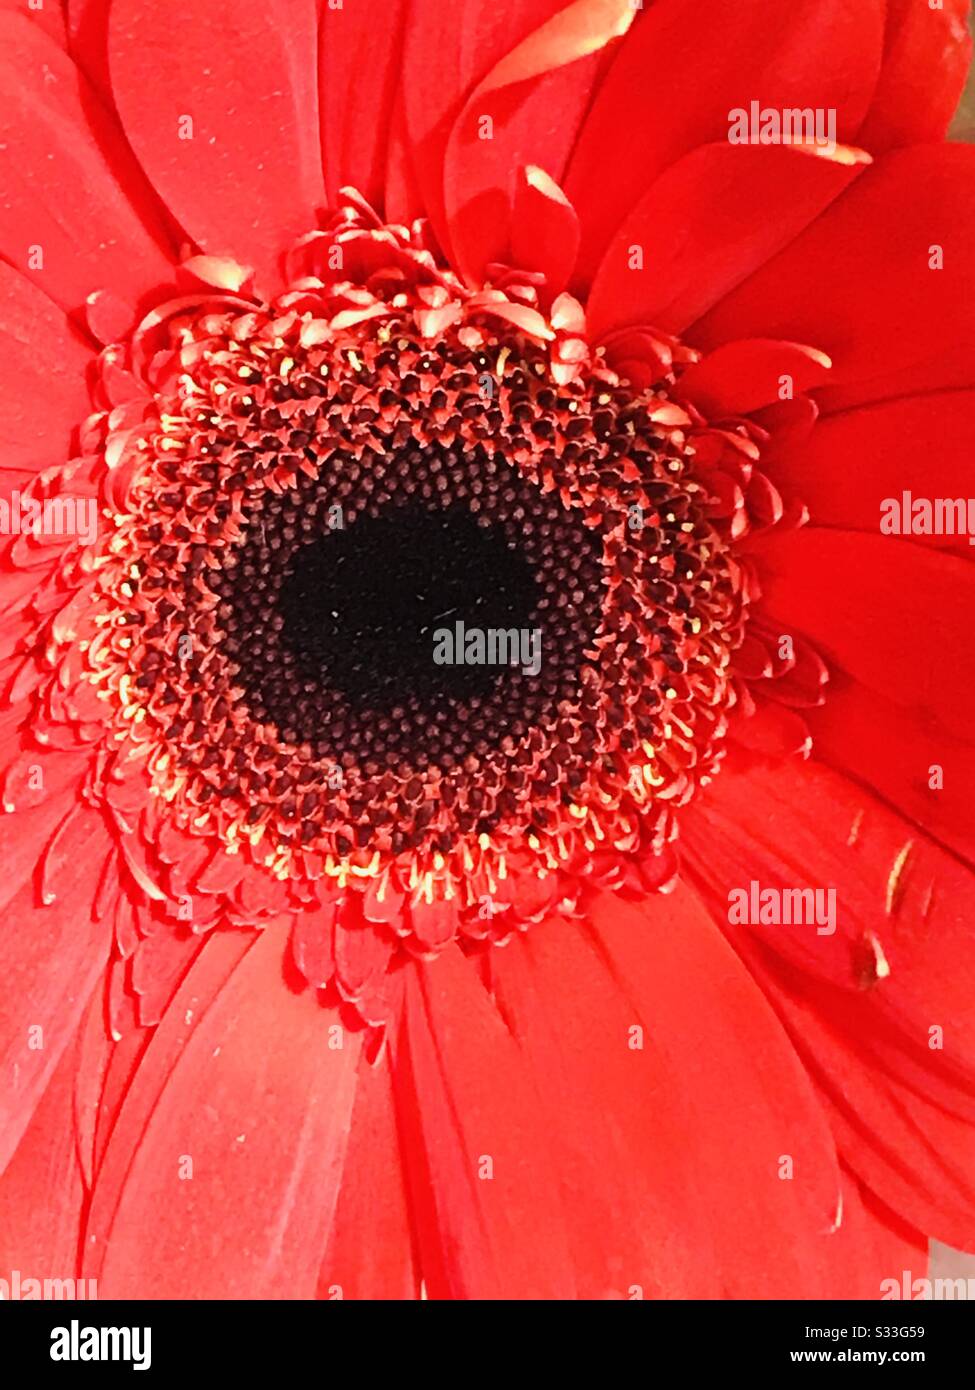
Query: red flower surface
[331, 969]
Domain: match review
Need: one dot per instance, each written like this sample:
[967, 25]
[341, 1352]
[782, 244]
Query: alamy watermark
[909, 1288]
[786, 125]
[23, 1288]
[55, 516]
[84, 1343]
[756, 906]
[908, 515]
[491, 646]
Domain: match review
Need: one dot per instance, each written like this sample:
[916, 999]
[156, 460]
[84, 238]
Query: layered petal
[54, 949]
[221, 107]
[223, 1171]
[42, 1194]
[903, 224]
[886, 611]
[481, 1161]
[855, 461]
[881, 1244]
[702, 228]
[715, 1103]
[506, 124]
[685, 68]
[927, 51]
[745, 376]
[370, 1249]
[447, 51]
[879, 1000]
[43, 391]
[907, 761]
[76, 216]
[634, 1107]
[359, 69]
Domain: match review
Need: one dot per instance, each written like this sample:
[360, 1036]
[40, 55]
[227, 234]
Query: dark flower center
[362, 607]
[443, 604]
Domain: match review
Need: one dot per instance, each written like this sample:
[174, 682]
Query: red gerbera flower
[337, 960]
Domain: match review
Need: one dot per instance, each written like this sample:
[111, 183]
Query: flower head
[477, 546]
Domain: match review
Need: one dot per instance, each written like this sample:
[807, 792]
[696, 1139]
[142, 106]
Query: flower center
[364, 610]
[406, 586]
[443, 602]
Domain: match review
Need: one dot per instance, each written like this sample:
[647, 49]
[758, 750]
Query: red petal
[158, 965]
[685, 67]
[245, 178]
[917, 1154]
[544, 228]
[51, 18]
[774, 731]
[703, 227]
[108, 318]
[370, 1252]
[855, 460]
[313, 944]
[434, 923]
[873, 1245]
[552, 69]
[927, 51]
[256, 1094]
[52, 958]
[222, 872]
[124, 1057]
[881, 343]
[480, 1160]
[43, 395]
[362, 950]
[887, 611]
[87, 23]
[403, 199]
[672, 1121]
[90, 1069]
[744, 376]
[42, 1195]
[68, 191]
[360, 62]
[861, 1003]
[448, 48]
[893, 751]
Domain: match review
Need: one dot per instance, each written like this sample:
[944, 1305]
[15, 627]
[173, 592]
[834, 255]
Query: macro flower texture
[487, 747]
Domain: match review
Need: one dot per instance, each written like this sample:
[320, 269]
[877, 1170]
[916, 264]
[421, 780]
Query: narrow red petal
[728, 1112]
[481, 1162]
[360, 62]
[854, 461]
[230, 1187]
[52, 958]
[448, 49]
[42, 1194]
[506, 123]
[883, 1006]
[370, 1250]
[744, 376]
[43, 392]
[884, 610]
[545, 228]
